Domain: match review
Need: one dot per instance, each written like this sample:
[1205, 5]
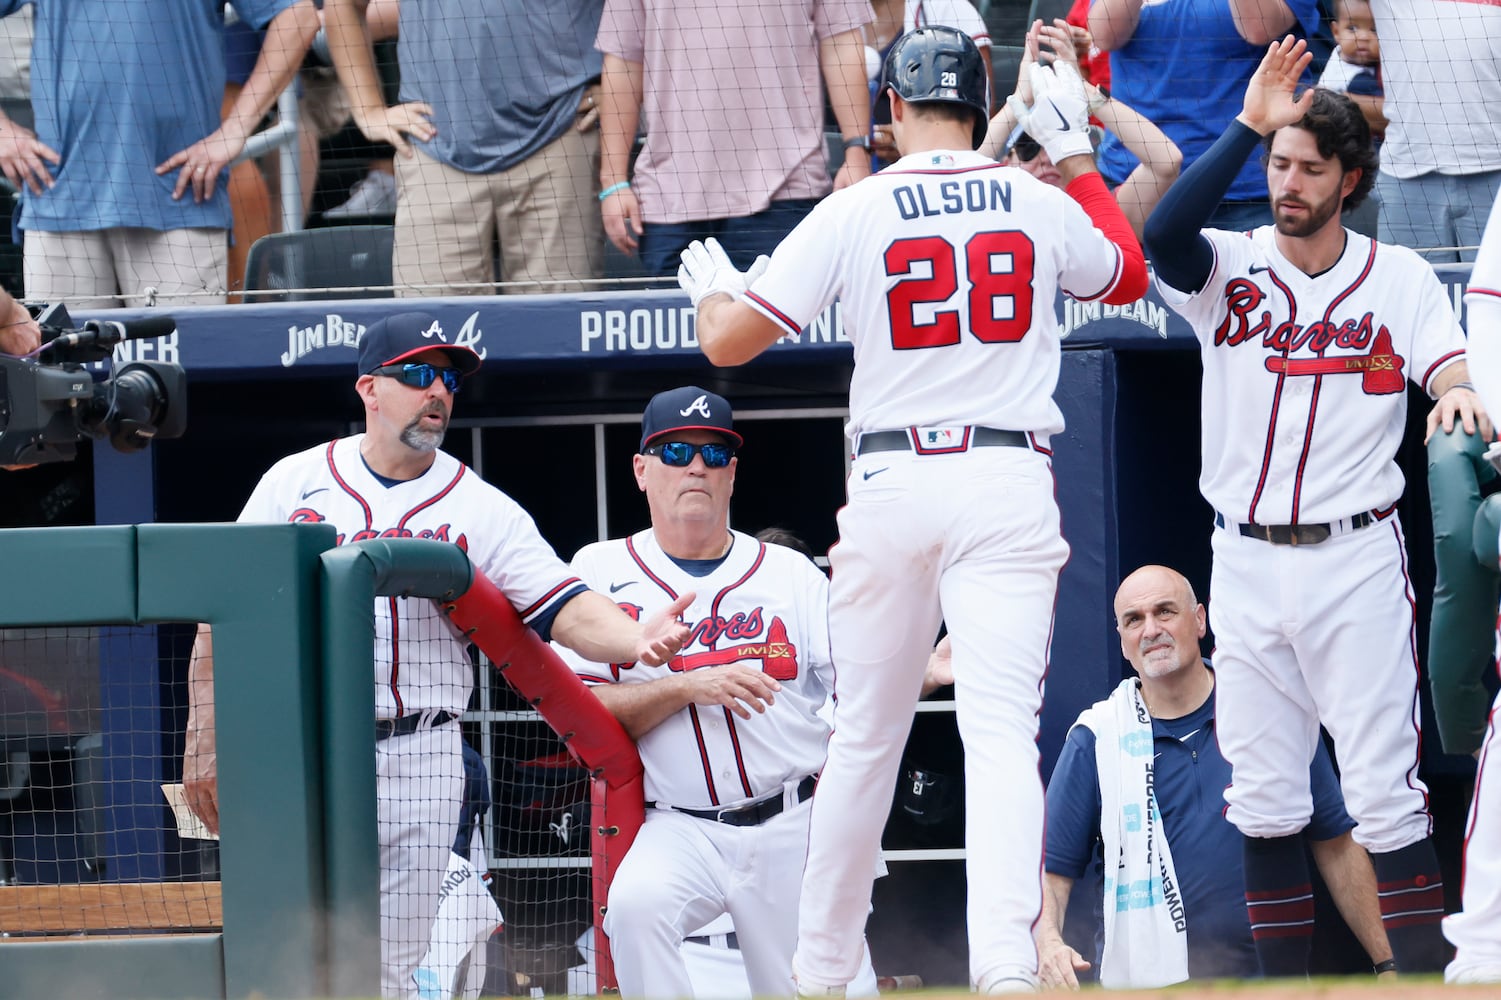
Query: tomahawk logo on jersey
[1283, 352]
[764, 607]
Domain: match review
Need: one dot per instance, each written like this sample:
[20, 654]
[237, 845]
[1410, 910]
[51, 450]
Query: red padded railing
[591, 734]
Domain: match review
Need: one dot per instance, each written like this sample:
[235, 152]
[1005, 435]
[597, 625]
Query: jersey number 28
[998, 266]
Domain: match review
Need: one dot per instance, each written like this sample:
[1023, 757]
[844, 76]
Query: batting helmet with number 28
[942, 65]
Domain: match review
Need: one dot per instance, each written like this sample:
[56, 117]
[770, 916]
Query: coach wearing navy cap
[394, 481]
[688, 408]
[401, 337]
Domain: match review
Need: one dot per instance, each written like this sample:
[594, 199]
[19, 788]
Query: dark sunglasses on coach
[1026, 148]
[680, 453]
[420, 376]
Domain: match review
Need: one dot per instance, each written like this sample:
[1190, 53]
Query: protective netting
[509, 123]
[87, 840]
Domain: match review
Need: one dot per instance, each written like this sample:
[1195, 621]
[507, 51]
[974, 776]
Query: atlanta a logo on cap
[699, 406]
[436, 330]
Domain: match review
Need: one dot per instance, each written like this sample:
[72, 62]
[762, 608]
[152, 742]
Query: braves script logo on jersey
[778, 656]
[442, 533]
[1380, 367]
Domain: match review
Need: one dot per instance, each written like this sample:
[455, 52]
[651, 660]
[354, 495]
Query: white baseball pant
[1313, 633]
[971, 539]
[1475, 931]
[419, 785]
[683, 871]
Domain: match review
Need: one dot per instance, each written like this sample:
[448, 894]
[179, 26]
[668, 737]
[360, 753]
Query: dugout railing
[294, 637]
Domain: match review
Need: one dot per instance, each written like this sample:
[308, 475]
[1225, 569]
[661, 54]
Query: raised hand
[1269, 102]
[1059, 117]
[707, 270]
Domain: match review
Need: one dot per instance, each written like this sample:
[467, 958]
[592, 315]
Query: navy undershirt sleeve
[1180, 254]
[542, 624]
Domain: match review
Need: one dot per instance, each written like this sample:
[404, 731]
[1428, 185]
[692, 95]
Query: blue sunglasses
[420, 376]
[679, 454]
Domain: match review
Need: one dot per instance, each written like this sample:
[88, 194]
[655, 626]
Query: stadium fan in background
[122, 181]
[1158, 155]
[1177, 901]
[1441, 161]
[1184, 64]
[730, 98]
[495, 131]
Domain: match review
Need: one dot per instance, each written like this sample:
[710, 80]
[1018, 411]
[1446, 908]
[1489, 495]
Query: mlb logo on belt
[940, 440]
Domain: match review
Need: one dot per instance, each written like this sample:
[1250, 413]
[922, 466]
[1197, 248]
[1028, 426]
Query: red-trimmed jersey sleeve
[802, 279]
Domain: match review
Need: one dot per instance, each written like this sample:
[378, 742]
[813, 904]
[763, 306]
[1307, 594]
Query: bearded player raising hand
[1308, 335]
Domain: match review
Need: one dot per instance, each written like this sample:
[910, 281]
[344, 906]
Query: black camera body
[48, 406]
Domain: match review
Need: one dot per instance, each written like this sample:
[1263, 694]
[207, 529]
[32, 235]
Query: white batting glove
[1059, 117]
[758, 267]
[706, 270]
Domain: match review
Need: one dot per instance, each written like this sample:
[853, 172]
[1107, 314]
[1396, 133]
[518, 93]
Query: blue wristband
[617, 186]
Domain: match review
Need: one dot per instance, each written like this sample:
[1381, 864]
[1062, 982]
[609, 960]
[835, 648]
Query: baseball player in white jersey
[728, 730]
[1475, 932]
[947, 266]
[394, 482]
[1308, 335]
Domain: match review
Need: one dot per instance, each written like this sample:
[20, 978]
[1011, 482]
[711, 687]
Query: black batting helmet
[942, 65]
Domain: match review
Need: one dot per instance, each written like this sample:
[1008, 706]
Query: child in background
[1354, 69]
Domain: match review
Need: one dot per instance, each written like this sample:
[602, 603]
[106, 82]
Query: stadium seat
[340, 262]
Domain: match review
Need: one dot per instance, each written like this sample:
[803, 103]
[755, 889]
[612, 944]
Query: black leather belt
[408, 724]
[1297, 534]
[714, 940]
[980, 437]
[754, 813]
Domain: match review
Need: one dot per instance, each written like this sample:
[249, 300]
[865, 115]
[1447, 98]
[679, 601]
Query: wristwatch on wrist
[863, 141]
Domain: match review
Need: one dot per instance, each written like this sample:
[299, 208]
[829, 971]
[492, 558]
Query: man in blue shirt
[496, 127]
[1178, 905]
[121, 182]
[1183, 65]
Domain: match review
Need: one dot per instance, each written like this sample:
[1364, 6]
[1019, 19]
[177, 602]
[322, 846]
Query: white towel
[1146, 941]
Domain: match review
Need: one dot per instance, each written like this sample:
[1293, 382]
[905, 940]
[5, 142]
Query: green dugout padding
[352, 577]
[1462, 633]
[293, 643]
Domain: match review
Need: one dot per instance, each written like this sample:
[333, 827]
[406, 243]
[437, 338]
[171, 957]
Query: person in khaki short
[496, 131]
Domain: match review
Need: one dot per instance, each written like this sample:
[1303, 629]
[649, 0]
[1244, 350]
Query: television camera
[49, 404]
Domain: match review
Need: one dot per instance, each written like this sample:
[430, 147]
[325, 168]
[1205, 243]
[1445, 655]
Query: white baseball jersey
[1308, 375]
[420, 662]
[1475, 932]
[1483, 300]
[954, 322]
[764, 607]
[959, 14]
